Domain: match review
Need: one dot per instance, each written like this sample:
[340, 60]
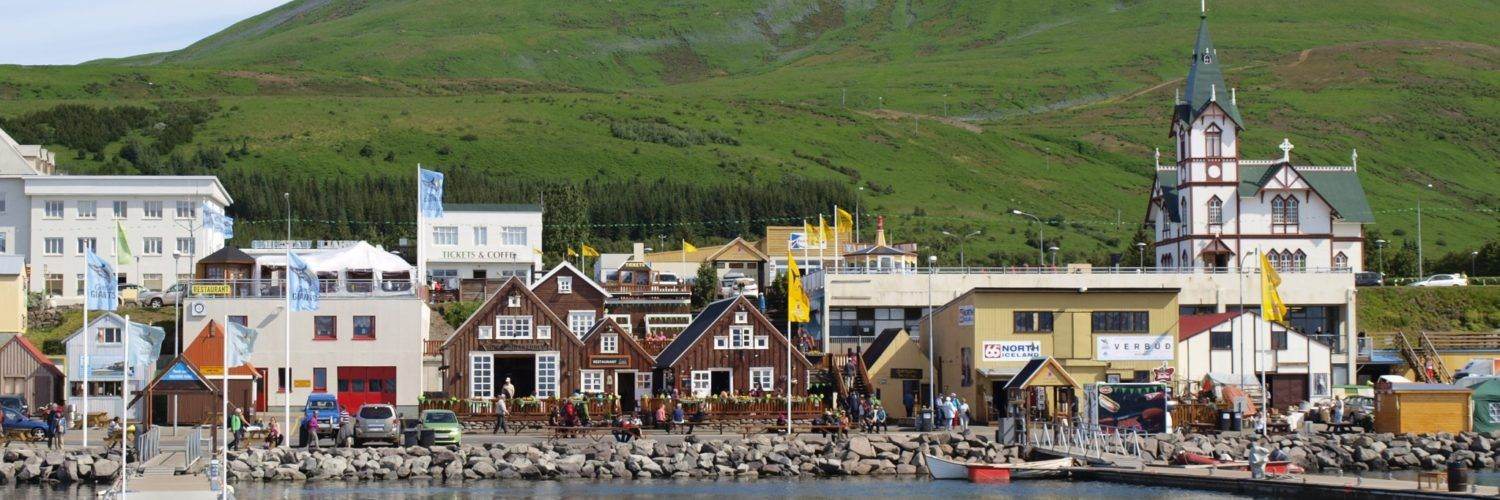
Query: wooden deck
[1301, 486]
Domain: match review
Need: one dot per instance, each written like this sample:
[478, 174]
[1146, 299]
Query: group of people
[951, 412]
[866, 411]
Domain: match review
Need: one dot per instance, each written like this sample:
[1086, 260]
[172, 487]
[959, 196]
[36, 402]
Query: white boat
[942, 468]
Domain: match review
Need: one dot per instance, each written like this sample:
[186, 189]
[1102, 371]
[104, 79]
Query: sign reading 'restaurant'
[1134, 347]
[1012, 351]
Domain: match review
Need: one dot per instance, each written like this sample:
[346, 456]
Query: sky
[74, 31]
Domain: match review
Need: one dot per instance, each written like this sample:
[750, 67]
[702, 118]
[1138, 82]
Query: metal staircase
[1420, 356]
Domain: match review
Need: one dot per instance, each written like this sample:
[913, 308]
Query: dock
[1301, 486]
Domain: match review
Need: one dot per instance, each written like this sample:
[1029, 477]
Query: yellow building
[985, 336]
[897, 365]
[12, 294]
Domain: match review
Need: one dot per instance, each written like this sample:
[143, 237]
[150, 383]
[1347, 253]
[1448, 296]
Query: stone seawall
[1348, 452]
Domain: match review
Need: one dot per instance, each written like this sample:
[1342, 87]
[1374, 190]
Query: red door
[260, 390]
[361, 385]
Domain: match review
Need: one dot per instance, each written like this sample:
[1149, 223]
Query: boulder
[105, 468]
[860, 446]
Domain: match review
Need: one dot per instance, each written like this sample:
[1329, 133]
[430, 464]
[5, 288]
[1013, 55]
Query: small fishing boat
[942, 468]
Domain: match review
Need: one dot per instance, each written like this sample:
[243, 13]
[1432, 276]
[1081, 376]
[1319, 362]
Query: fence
[192, 448]
[523, 409]
[147, 444]
[1088, 441]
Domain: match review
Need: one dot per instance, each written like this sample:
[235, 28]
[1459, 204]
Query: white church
[1212, 209]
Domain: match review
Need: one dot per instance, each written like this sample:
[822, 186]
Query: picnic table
[1340, 427]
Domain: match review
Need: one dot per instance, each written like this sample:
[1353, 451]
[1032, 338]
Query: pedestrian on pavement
[502, 411]
[909, 400]
[1338, 409]
[54, 431]
[311, 430]
[963, 413]
[236, 428]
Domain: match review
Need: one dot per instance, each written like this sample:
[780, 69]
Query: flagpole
[789, 336]
[87, 353]
[286, 284]
[422, 287]
[125, 411]
[224, 404]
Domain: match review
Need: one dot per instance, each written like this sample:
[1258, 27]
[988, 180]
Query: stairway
[1418, 357]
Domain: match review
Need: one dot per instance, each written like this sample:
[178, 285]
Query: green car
[444, 425]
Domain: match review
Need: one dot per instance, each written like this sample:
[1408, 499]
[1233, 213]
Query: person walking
[502, 411]
[963, 413]
[1338, 409]
[909, 400]
[953, 410]
[236, 428]
[311, 431]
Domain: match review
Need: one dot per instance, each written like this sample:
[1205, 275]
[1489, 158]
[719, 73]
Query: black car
[15, 402]
[1369, 278]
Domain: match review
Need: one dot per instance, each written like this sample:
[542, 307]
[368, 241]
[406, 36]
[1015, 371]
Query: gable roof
[527, 294]
[609, 324]
[1037, 366]
[1192, 325]
[228, 255]
[880, 344]
[690, 335]
[207, 349]
[117, 319]
[566, 265]
[1166, 180]
[1339, 187]
[740, 243]
[1205, 82]
[22, 343]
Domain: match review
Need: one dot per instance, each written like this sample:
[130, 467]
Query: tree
[705, 286]
[776, 297]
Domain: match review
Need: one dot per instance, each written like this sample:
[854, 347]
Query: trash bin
[411, 436]
[1226, 418]
[428, 436]
[1236, 420]
[1458, 476]
[924, 421]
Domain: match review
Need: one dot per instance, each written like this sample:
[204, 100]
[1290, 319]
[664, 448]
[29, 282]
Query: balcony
[648, 289]
[276, 288]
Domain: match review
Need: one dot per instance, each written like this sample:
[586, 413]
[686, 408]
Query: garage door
[1287, 390]
[361, 385]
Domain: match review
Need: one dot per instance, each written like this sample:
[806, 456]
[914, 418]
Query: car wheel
[39, 434]
[156, 303]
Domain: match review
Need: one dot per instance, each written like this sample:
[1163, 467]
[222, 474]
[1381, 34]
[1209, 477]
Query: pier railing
[1098, 442]
[192, 448]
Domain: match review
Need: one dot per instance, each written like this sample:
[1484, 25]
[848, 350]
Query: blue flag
[430, 193]
[241, 343]
[145, 346]
[102, 292]
[228, 226]
[215, 220]
[302, 284]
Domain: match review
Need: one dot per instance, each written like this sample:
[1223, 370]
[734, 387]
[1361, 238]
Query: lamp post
[1380, 255]
[1473, 263]
[931, 366]
[1041, 256]
[1053, 248]
[856, 213]
[1140, 248]
[1420, 272]
[962, 241]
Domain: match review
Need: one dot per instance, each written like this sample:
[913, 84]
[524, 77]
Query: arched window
[1293, 211]
[1214, 142]
[1299, 261]
[1340, 261]
[1278, 210]
[1286, 260]
[1166, 260]
[1185, 262]
[1215, 211]
[1274, 258]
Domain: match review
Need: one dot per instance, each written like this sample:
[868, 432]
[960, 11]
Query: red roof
[37, 354]
[1190, 326]
[208, 350]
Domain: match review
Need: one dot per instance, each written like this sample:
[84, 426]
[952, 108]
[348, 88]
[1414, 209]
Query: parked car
[1442, 280]
[733, 284]
[666, 278]
[444, 425]
[18, 422]
[130, 293]
[331, 417]
[15, 402]
[376, 422]
[1369, 278]
[168, 297]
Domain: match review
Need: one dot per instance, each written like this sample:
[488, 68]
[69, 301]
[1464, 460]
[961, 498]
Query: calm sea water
[656, 489]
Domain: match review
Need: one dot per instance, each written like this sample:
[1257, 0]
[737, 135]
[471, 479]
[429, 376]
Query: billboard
[1138, 407]
[1011, 351]
[1134, 347]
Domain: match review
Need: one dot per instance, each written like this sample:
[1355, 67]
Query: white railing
[1090, 270]
[1088, 441]
[275, 288]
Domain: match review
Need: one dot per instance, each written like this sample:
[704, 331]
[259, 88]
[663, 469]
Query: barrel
[1458, 476]
[427, 437]
[1226, 419]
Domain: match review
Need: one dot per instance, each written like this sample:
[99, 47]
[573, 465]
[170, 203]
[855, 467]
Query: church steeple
[1205, 81]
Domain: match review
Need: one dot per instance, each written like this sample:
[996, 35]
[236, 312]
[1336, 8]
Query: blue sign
[178, 373]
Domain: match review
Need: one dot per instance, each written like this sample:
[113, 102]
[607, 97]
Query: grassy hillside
[945, 113]
[1389, 309]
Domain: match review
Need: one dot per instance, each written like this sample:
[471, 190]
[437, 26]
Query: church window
[1274, 258]
[1185, 262]
[1166, 260]
[1340, 261]
[1293, 211]
[1299, 261]
[1215, 211]
[1278, 210]
[1213, 138]
[1285, 214]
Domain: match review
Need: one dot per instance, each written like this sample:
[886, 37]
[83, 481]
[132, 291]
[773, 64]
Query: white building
[1212, 209]
[1295, 367]
[106, 363]
[483, 241]
[50, 219]
[363, 344]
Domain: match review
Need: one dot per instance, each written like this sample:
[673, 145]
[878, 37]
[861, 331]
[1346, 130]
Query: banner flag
[241, 343]
[589, 251]
[302, 285]
[843, 222]
[430, 196]
[145, 345]
[103, 292]
[122, 246]
[1271, 306]
[798, 307]
[688, 247]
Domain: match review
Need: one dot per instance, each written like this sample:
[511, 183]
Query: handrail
[1441, 368]
[193, 446]
[1090, 441]
[275, 288]
[1072, 269]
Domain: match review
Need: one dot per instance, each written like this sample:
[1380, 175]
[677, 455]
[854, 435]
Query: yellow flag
[812, 235]
[571, 252]
[798, 308]
[1271, 306]
[589, 251]
[688, 247]
[843, 222]
[537, 251]
[823, 234]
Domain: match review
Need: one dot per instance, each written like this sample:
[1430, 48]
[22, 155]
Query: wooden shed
[1415, 408]
[26, 371]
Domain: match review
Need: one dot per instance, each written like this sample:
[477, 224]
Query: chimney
[638, 252]
[880, 231]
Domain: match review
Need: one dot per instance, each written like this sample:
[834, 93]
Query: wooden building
[646, 306]
[575, 298]
[730, 347]
[26, 371]
[617, 364]
[514, 335]
[199, 403]
[898, 369]
[1422, 408]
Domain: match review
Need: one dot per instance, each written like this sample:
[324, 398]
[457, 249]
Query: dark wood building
[513, 336]
[651, 310]
[24, 370]
[731, 347]
[617, 364]
[575, 298]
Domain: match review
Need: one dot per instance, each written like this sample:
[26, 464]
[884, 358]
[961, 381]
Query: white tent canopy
[360, 256]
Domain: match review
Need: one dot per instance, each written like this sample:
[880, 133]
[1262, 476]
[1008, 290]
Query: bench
[1432, 480]
[1341, 427]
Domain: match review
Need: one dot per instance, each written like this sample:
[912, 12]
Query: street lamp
[961, 243]
[1053, 248]
[1041, 256]
[1140, 248]
[1473, 258]
[931, 367]
[1380, 254]
[1420, 273]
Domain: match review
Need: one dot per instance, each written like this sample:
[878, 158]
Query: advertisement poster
[966, 315]
[103, 366]
[966, 356]
[1135, 347]
[1011, 351]
[1140, 407]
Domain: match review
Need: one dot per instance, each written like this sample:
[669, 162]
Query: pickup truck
[331, 416]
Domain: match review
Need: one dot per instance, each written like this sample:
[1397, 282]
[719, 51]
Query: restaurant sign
[608, 361]
[906, 373]
[203, 289]
[1012, 351]
[1134, 347]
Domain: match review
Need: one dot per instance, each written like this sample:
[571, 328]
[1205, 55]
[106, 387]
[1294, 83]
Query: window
[1299, 261]
[741, 337]
[52, 209]
[1293, 211]
[151, 280]
[580, 321]
[1221, 341]
[1286, 213]
[763, 379]
[512, 327]
[701, 382]
[445, 235]
[1215, 211]
[121, 209]
[592, 381]
[564, 284]
[514, 300]
[1278, 340]
[151, 246]
[240, 320]
[609, 344]
[1166, 261]
[364, 328]
[513, 235]
[743, 317]
[320, 379]
[80, 282]
[108, 335]
[2, 202]
[481, 375]
[325, 328]
[1340, 261]
[1033, 321]
[485, 332]
[1213, 139]
[623, 320]
[544, 331]
[546, 375]
[186, 210]
[52, 246]
[87, 209]
[283, 379]
[187, 246]
[1278, 210]
[88, 244]
[1121, 322]
[152, 209]
[4, 244]
[481, 235]
[54, 282]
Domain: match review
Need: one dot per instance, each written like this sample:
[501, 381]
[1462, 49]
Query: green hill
[946, 114]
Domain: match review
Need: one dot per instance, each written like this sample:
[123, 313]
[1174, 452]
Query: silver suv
[154, 299]
[377, 423]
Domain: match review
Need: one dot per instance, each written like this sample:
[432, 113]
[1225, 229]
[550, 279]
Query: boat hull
[941, 468]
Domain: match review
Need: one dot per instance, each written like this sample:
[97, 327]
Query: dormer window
[1208, 57]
